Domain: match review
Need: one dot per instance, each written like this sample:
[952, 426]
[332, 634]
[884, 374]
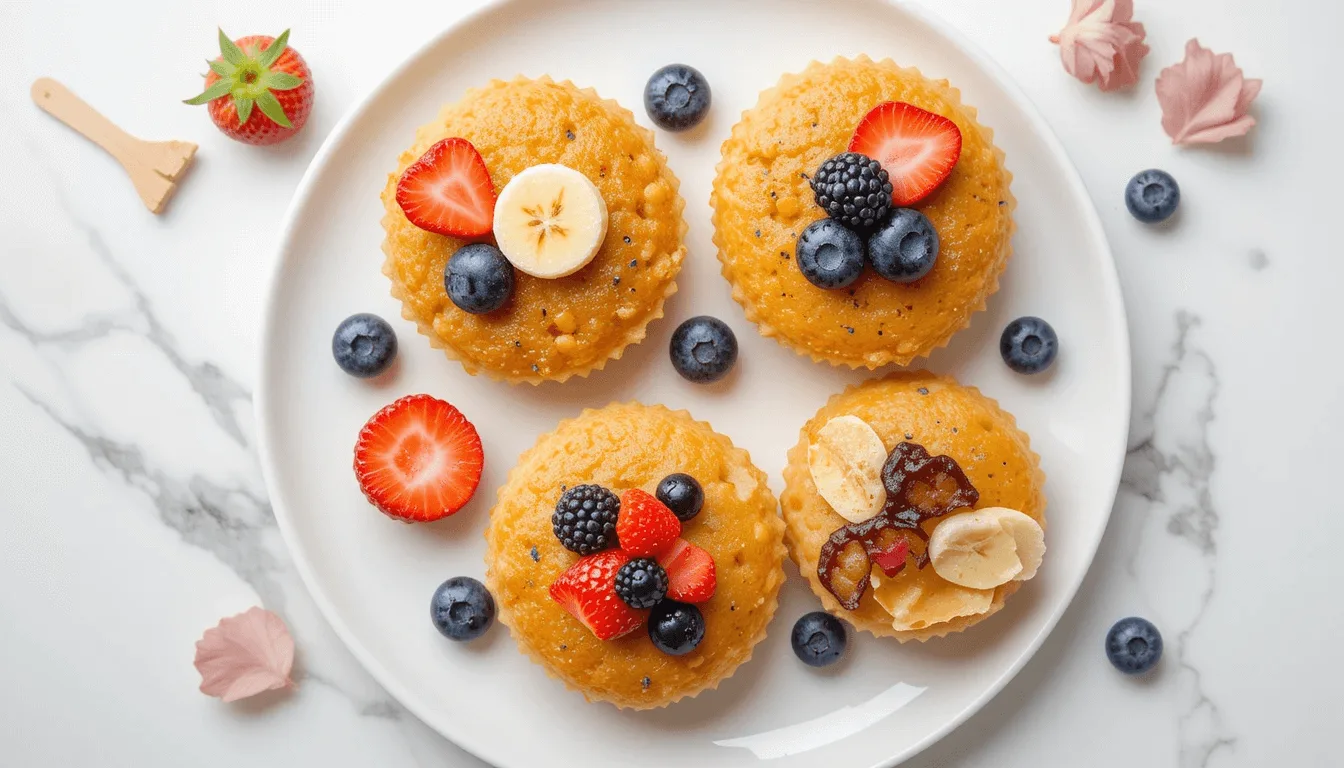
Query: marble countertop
[134, 514]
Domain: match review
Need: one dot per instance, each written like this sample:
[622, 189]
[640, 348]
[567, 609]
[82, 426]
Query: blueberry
[1028, 345]
[478, 278]
[819, 639]
[677, 97]
[904, 248]
[462, 608]
[703, 349]
[364, 345]
[676, 628]
[829, 254]
[682, 494]
[1152, 196]
[1134, 645]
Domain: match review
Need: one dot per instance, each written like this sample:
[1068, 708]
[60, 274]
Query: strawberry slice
[418, 459]
[917, 148]
[690, 572]
[588, 591]
[645, 526]
[892, 559]
[448, 191]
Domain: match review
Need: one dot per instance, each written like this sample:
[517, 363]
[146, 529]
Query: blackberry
[585, 519]
[641, 583]
[853, 189]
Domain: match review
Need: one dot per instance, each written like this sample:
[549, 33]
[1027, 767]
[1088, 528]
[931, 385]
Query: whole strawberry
[259, 90]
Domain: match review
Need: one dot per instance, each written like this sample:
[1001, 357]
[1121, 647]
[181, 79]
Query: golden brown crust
[626, 446]
[946, 418]
[762, 203]
[610, 302]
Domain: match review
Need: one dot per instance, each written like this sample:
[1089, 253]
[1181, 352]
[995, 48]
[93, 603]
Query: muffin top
[622, 447]
[550, 328]
[945, 418]
[762, 203]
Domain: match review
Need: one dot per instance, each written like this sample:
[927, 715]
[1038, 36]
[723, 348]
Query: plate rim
[289, 229]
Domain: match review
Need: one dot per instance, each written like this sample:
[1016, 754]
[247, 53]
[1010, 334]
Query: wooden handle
[59, 102]
[152, 165]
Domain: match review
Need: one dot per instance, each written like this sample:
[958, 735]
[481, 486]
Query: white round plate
[373, 578]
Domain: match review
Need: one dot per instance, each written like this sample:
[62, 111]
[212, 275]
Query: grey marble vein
[217, 390]
[1175, 452]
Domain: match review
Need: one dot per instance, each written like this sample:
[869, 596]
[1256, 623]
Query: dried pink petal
[245, 655]
[1102, 43]
[1205, 98]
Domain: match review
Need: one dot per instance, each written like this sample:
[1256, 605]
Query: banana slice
[987, 547]
[912, 607]
[550, 221]
[846, 459]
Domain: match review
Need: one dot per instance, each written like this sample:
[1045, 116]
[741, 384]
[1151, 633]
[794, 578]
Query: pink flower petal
[1205, 98]
[1101, 43]
[245, 655]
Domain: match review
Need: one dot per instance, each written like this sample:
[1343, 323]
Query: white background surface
[134, 516]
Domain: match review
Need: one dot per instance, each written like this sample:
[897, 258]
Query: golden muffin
[762, 202]
[622, 447]
[551, 329]
[945, 418]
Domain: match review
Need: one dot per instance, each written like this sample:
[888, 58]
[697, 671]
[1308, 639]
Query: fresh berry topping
[892, 558]
[588, 591]
[1152, 196]
[676, 628]
[829, 254]
[462, 608]
[448, 191]
[646, 527]
[418, 459]
[918, 148]
[690, 572]
[1134, 645]
[641, 583]
[585, 519]
[682, 494]
[1028, 345]
[259, 90]
[364, 345]
[853, 189]
[478, 278]
[703, 349]
[905, 247]
[819, 639]
[677, 97]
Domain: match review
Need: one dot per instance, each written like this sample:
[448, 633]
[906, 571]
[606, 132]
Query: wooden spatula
[153, 166]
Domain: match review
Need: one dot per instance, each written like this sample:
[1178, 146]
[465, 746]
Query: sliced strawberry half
[645, 526]
[418, 459]
[448, 191]
[917, 148]
[588, 591]
[690, 572]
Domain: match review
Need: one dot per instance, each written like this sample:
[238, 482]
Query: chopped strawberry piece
[917, 148]
[645, 526]
[418, 459]
[892, 559]
[448, 191]
[588, 591]
[690, 572]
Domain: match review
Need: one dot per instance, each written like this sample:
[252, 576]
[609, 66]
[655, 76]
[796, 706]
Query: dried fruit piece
[846, 459]
[921, 487]
[986, 548]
